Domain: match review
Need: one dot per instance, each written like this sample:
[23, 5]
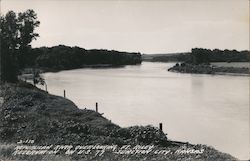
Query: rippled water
[205, 109]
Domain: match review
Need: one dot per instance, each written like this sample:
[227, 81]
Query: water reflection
[203, 109]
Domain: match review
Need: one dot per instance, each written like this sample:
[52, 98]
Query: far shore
[210, 69]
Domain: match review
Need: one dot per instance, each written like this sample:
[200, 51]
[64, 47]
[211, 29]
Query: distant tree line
[178, 57]
[65, 57]
[200, 55]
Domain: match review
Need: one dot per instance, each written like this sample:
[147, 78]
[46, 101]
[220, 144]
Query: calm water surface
[233, 64]
[205, 109]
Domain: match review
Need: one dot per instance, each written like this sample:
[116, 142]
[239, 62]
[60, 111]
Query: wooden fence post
[46, 88]
[64, 93]
[160, 126]
[96, 106]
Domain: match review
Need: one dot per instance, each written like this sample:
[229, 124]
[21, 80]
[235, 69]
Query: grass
[30, 113]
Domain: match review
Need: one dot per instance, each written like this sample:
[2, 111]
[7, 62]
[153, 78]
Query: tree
[17, 32]
[27, 23]
[200, 56]
[9, 40]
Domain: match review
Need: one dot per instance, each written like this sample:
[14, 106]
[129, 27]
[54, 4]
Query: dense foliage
[17, 32]
[200, 55]
[65, 57]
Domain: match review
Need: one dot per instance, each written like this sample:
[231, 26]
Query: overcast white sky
[146, 26]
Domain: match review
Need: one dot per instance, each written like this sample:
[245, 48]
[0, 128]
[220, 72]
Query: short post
[160, 126]
[46, 88]
[64, 93]
[96, 106]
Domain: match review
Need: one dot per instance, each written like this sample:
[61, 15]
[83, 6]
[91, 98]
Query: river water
[204, 109]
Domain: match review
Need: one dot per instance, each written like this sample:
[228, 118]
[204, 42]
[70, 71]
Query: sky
[146, 26]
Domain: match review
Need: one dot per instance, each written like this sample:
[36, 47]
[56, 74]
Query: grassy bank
[30, 113]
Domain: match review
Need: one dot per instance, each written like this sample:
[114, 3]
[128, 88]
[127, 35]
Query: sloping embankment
[32, 114]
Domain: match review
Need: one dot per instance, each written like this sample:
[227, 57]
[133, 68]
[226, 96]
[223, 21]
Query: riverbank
[44, 69]
[28, 113]
[209, 69]
[26, 74]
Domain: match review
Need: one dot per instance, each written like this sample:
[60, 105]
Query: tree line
[18, 31]
[63, 57]
[201, 55]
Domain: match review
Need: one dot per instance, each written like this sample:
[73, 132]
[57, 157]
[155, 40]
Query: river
[204, 109]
